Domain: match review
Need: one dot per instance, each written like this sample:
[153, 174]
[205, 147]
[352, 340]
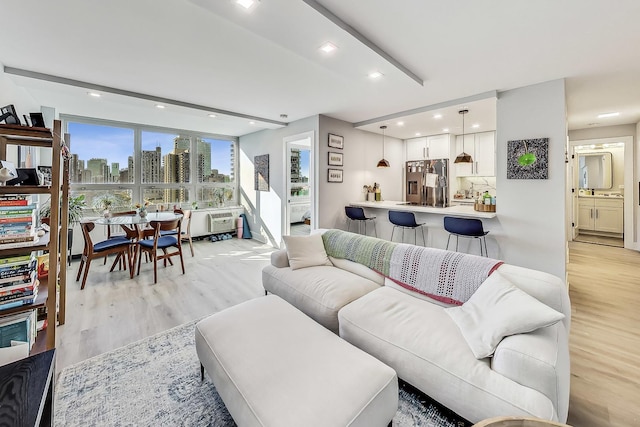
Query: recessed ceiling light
[375, 75]
[475, 126]
[252, 123]
[445, 130]
[604, 115]
[247, 4]
[94, 94]
[213, 116]
[418, 134]
[160, 106]
[400, 123]
[328, 47]
[437, 116]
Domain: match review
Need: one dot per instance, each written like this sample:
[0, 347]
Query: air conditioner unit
[221, 222]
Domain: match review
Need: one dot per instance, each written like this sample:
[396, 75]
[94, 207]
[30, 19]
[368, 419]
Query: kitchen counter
[600, 196]
[459, 210]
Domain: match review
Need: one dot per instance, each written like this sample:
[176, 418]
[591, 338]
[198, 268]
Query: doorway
[299, 200]
[600, 171]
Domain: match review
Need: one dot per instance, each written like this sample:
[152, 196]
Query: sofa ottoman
[274, 366]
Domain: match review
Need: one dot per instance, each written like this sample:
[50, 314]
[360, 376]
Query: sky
[116, 144]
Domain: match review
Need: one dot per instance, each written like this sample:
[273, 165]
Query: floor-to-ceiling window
[131, 163]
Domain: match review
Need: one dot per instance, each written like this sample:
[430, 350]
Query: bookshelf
[55, 241]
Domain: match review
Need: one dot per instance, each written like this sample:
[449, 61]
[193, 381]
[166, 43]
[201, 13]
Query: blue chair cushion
[168, 232]
[464, 226]
[403, 219]
[163, 242]
[110, 243]
[356, 214]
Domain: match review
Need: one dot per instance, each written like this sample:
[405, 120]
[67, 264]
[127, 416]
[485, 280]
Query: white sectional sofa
[429, 344]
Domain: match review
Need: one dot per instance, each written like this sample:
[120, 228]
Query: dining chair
[186, 233]
[151, 241]
[128, 233]
[101, 249]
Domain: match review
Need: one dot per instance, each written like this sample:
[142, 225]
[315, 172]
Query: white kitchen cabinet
[430, 147]
[601, 214]
[482, 148]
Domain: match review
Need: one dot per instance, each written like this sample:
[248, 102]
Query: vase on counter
[371, 197]
[142, 213]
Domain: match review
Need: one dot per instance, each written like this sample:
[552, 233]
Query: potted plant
[76, 205]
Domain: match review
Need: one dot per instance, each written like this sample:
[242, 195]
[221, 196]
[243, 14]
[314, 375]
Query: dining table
[134, 226]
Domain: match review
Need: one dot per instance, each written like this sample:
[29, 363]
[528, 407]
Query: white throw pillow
[306, 251]
[496, 310]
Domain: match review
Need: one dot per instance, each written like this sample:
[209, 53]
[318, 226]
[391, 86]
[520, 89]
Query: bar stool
[406, 220]
[466, 227]
[357, 214]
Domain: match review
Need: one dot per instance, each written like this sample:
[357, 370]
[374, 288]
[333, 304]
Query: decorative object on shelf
[46, 174]
[37, 120]
[336, 141]
[528, 159]
[463, 157]
[334, 175]
[9, 116]
[383, 163]
[5, 175]
[261, 175]
[335, 159]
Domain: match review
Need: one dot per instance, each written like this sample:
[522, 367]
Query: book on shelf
[16, 271]
[10, 209]
[16, 239]
[22, 296]
[20, 327]
[17, 220]
[29, 243]
[15, 259]
[8, 287]
[19, 279]
[19, 293]
[16, 200]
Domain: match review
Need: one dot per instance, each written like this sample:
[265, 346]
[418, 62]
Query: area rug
[156, 382]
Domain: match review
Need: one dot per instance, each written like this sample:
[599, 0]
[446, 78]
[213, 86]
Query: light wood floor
[114, 310]
[604, 287]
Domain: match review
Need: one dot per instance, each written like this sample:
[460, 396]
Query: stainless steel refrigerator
[428, 182]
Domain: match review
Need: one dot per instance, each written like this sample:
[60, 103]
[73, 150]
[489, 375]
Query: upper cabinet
[430, 147]
[482, 148]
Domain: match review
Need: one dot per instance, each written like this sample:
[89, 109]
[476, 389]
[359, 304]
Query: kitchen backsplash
[478, 184]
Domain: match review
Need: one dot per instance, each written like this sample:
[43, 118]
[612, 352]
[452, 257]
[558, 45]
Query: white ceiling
[265, 62]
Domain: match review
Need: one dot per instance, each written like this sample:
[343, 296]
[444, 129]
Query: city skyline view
[89, 141]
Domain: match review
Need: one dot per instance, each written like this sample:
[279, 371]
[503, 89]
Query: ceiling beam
[356, 34]
[123, 92]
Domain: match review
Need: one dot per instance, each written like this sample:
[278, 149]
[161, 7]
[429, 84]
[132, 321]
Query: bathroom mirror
[594, 170]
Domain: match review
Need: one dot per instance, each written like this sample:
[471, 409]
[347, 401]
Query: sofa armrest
[279, 259]
[539, 360]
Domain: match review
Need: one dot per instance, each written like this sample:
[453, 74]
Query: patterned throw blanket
[450, 277]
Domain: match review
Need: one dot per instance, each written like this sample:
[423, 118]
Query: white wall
[362, 151]
[531, 213]
[603, 132]
[264, 208]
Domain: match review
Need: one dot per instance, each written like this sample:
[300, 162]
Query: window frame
[137, 187]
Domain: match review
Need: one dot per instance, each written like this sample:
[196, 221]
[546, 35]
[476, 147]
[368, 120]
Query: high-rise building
[115, 172]
[151, 165]
[232, 153]
[130, 168]
[295, 165]
[177, 170]
[99, 170]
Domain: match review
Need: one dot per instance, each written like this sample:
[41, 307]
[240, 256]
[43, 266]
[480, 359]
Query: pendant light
[464, 157]
[384, 163]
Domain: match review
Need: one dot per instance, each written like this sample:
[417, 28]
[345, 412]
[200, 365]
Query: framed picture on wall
[335, 159]
[334, 175]
[336, 141]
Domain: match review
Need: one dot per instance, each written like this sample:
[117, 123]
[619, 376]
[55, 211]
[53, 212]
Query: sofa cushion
[536, 360]
[496, 310]
[426, 348]
[319, 291]
[306, 251]
[359, 269]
